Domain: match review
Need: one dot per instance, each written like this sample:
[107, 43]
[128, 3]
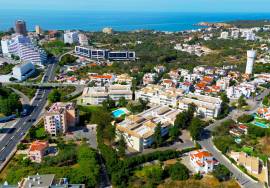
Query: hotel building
[207, 106]
[138, 130]
[160, 95]
[96, 95]
[22, 47]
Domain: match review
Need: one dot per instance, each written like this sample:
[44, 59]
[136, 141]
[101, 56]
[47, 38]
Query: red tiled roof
[38, 145]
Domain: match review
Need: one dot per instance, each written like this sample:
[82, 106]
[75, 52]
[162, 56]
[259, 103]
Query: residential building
[252, 164]
[264, 113]
[23, 47]
[71, 37]
[96, 95]
[107, 30]
[203, 161]
[83, 40]
[149, 78]
[224, 35]
[60, 117]
[159, 69]
[23, 71]
[160, 95]
[20, 28]
[207, 106]
[46, 181]
[38, 30]
[235, 34]
[123, 78]
[245, 89]
[102, 80]
[138, 130]
[38, 150]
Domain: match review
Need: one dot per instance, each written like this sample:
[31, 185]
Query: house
[159, 69]
[264, 113]
[203, 161]
[38, 150]
[252, 164]
[149, 78]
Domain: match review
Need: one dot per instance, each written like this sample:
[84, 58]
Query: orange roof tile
[38, 145]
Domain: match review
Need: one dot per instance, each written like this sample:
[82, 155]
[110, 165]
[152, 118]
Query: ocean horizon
[118, 20]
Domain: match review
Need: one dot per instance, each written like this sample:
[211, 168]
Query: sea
[119, 21]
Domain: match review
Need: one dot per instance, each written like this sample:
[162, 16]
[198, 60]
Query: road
[15, 135]
[207, 143]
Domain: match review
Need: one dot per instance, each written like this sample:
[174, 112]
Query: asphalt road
[208, 144]
[16, 134]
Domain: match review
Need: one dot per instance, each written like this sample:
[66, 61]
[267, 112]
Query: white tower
[251, 55]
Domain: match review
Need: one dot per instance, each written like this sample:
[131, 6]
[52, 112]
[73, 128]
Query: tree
[224, 98]
[178, 171]
[174, 132]
[195, 128]
[122, 146]
[265, 101]
[122, 102]
[245, 118]
[241, 101]
[157, 136]
[108, 104]
[221, 173]
[54, 96]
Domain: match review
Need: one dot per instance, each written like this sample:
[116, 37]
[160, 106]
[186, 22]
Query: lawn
[6, 69]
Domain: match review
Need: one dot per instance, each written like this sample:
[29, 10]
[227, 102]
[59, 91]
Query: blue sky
[142, 5]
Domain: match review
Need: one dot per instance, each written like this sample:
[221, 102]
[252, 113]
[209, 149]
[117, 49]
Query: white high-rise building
[83, 40]
[23, 47]
[251, 55]
[71, 37]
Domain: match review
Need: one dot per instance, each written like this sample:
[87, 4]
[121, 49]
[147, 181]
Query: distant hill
[249, 23]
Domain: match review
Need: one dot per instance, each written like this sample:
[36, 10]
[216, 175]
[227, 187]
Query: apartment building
[60, 117]
[71, 37]
[96, 95]
[159, 95]
[207, 106]
[138, 130]
[37, 151]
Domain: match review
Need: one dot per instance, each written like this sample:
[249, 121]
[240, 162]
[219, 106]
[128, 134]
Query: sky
[141, 5]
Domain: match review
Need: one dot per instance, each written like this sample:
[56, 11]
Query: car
[2, 159]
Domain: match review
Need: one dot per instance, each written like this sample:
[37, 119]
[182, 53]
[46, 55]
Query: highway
[15, 135]
[207, 143]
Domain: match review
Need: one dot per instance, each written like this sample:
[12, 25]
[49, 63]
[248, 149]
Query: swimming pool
[262, 125]
[118, 113]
